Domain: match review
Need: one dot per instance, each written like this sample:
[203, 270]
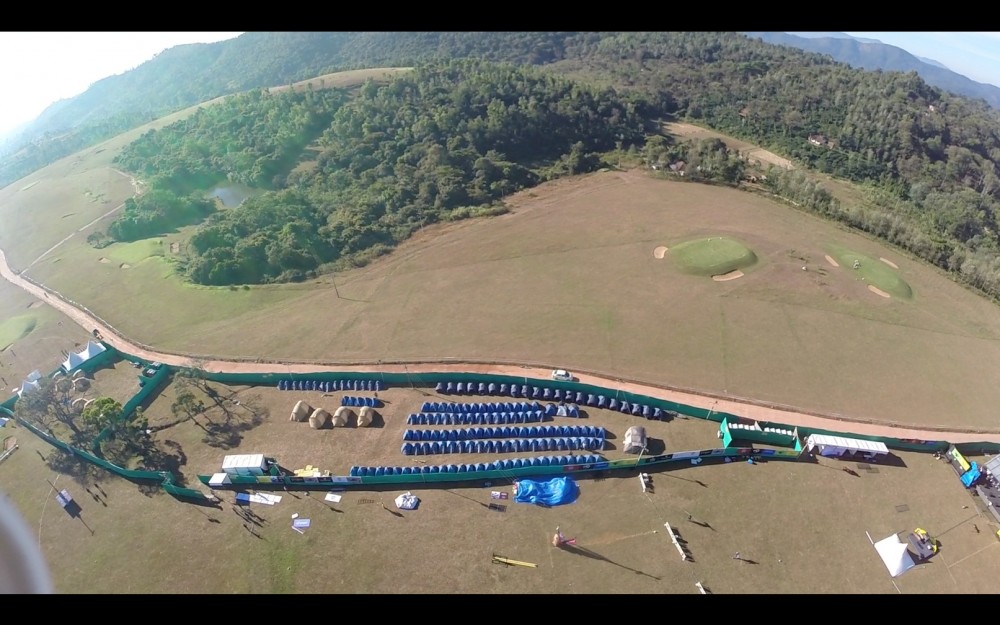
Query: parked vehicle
[563, 376]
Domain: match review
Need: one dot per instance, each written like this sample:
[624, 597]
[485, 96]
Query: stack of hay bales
[319, 419]
[301, 411]
[365, 416]
[341, 416]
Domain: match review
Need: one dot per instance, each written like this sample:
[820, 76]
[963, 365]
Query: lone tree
[125, 439]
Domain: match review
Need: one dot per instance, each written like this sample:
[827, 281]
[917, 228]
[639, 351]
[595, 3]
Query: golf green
[712, 256]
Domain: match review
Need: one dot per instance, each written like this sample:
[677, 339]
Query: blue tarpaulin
[971, 475]
[553, 492]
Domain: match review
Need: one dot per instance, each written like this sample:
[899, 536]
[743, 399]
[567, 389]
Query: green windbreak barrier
[150, 385]
[415, 478]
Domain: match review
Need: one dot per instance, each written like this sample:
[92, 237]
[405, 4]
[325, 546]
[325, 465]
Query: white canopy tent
[27, 387]
[91, 350]
[894, 555]
[838, 446]
[72, 361]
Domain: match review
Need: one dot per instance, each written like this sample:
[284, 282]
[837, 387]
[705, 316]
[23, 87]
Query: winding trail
[743, 408]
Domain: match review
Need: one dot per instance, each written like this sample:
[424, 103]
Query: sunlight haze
[41, 68]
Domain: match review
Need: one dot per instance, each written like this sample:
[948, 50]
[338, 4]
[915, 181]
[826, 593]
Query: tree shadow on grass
[74, 467]
[228, 420]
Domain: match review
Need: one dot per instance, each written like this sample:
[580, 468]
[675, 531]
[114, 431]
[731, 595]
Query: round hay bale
[365, 416]
[81, 384]
[342, 415]
[301, 411]
[319, 419]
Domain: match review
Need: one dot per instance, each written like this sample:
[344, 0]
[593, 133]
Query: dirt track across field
[749, 410]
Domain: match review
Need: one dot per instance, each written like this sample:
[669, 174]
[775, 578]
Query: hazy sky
[975, 55]
[39, 68]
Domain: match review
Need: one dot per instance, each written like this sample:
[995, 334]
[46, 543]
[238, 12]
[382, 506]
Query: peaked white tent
[27, 387]
[72, 361]
[894, 555]
[91, 350]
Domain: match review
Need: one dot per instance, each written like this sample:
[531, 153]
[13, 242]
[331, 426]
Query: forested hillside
[928, 159]
[445, 142]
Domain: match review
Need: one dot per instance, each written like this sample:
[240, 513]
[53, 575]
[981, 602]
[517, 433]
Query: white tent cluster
[75, 359]
[29, 384]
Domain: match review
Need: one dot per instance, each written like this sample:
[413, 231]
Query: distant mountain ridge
[870, 54]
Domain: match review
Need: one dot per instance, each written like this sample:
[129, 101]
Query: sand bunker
[659, 252]
[103, 260]
[732, 275]
[877, 291]
[830, 260]
[889, 262]
[124, 266]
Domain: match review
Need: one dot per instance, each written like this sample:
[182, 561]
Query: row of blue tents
[477, 418]
[520, 406]
[538, 431]
[571, 397]
[512, 390]
[331, 385]
[371, 402]
[499, 465]
[509, 445]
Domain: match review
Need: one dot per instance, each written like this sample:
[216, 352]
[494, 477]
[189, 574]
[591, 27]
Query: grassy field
[564, 281]
[802, 525]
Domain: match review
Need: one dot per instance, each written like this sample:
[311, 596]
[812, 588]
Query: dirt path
[738, 406]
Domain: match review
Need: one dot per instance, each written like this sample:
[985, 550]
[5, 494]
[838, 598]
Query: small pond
[231, 194]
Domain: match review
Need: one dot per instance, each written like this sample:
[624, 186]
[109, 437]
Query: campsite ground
[801, 524]
[568, 278]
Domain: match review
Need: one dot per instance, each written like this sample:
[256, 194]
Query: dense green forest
[926, 159]
[446, 141]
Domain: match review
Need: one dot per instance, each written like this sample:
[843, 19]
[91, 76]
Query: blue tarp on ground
[554, 492]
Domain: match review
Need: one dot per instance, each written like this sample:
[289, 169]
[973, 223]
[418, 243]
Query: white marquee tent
[895, 555]
[74, 360]
[838, 446]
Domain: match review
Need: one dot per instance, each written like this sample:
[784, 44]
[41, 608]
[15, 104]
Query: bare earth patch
[732, 275]
[175, 248]
[103, 260]
[878, 291]
[659, 252]
[889, 262]
[830, 260]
